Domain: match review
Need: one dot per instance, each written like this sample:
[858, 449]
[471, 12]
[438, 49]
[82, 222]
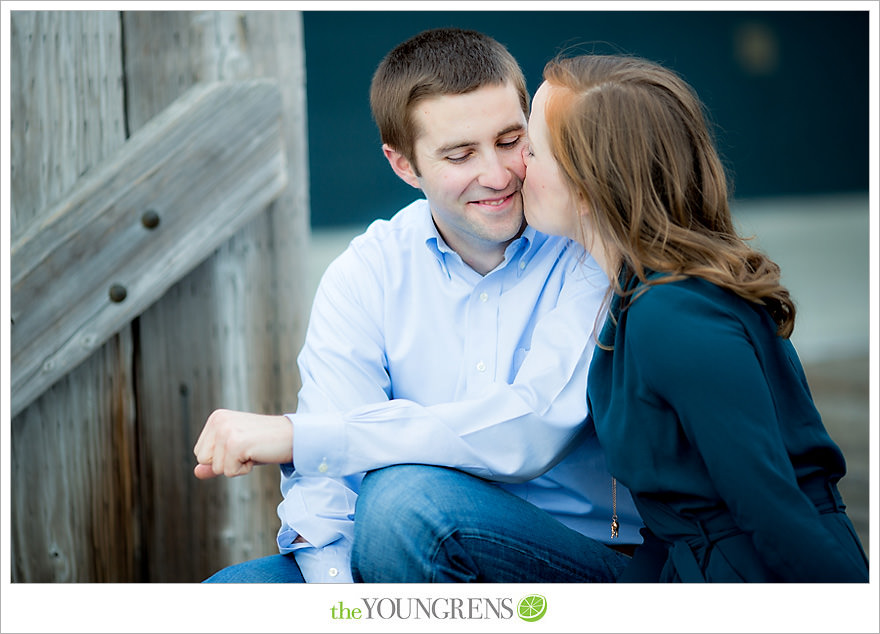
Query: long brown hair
[632, 140]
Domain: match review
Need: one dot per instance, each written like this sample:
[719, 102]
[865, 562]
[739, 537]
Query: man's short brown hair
[445, 61]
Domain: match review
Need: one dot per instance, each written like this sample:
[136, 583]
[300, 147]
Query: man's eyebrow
[516, 127]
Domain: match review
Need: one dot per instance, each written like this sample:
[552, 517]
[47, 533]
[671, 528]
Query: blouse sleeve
[698, 356]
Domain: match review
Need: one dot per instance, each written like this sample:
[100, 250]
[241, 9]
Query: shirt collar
[522, 249]
[433, 240]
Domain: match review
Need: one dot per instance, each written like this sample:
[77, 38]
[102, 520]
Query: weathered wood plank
[276, 50]
[248, 296]
[73, 511]
[65, 96]
[99, 494]
[204, 167]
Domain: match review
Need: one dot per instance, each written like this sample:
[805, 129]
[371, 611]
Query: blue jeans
[416, 523]
[271, 569]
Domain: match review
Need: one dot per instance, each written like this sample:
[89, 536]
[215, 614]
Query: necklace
[614, 525]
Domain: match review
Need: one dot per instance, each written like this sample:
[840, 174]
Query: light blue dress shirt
[413, 357]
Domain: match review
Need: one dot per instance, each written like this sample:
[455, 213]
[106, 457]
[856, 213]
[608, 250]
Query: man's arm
[509, 432]
[512, 432]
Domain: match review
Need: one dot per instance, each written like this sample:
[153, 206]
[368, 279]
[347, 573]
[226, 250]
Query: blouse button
[481, 367]
[484, 297]
[333, 572]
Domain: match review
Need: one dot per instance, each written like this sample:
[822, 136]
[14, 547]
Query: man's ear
[401, 166]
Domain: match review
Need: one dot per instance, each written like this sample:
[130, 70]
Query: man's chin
[510, 229]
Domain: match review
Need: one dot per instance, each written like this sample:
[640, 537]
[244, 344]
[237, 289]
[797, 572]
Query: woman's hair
[446, 61]
[631, 139]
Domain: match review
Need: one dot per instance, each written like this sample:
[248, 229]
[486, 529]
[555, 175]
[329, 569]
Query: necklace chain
[614, 524]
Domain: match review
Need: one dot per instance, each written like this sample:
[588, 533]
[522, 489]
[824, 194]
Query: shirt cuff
[330, 564]
[318, 444]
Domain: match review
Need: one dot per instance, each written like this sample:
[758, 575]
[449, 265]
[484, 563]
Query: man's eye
[509, 143]
[458, 158]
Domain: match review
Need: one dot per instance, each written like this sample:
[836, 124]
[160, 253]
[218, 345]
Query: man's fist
[231, 443]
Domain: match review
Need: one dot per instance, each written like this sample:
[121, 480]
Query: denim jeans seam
[505, 543]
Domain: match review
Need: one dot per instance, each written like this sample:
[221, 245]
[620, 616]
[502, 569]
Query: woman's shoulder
[690, 293]
[678, 326]
[685, 310]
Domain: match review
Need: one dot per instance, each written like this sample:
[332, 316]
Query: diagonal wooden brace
[137, 223]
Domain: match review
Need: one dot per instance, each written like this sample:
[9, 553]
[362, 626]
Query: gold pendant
[614, 527]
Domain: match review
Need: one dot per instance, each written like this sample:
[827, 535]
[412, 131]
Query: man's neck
[482, 256]
[485, 261]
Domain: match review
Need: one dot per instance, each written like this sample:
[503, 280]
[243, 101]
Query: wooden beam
[178, 188]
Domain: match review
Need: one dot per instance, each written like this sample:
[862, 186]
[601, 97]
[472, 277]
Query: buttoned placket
[482, 332]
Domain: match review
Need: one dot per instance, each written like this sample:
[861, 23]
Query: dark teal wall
[788, 91]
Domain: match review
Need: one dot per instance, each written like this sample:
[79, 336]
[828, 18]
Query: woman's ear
[401, 166]
[582, 205]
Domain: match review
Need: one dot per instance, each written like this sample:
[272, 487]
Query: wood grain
[74, 513]
[101, 476]
[204, 167]
[228, 333]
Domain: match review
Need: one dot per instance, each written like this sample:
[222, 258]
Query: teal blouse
[705, 414]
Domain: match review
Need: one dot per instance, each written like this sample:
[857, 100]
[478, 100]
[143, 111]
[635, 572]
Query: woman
[697, 394]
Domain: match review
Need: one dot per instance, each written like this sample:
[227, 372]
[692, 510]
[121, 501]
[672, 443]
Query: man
[447, 355]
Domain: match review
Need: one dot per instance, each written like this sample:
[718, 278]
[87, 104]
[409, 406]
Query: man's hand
[231, 443]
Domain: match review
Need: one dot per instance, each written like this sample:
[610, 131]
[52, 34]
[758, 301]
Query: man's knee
[394, 512]
[387, 496]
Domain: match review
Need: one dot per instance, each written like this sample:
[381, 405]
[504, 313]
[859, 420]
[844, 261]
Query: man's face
[471, 169]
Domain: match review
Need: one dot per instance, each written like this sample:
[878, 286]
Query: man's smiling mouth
[494, 202]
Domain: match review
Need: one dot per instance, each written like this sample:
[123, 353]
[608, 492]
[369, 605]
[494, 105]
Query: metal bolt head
[118, 293]
[150, 219]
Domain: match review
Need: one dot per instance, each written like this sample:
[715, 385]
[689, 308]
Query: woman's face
[549, 204]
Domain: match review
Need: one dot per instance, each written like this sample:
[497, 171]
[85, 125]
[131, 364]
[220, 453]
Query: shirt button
[481, 367]
[484, 297]
[522, 264]
[323, 466]
[333, 572]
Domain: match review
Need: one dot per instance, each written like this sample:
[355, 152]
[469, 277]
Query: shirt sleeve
[512, 432]
[328, 564]
[697, 355]
[340, 366]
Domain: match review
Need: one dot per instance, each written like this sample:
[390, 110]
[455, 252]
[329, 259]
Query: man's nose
[497, 170]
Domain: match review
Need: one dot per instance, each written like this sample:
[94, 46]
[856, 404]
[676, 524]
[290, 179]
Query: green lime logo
[532, 608]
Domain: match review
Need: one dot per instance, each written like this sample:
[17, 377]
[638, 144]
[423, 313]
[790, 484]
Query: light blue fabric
[413, 357]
